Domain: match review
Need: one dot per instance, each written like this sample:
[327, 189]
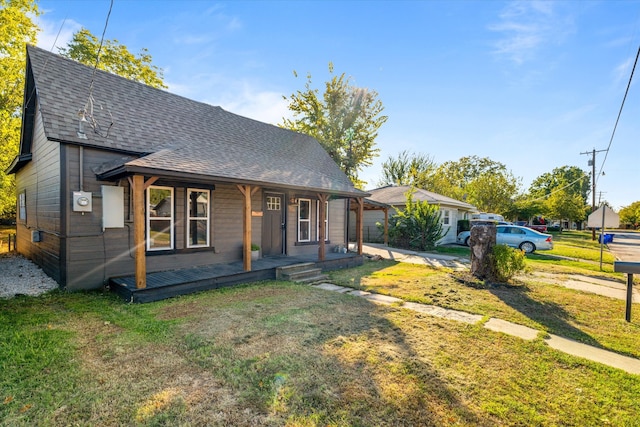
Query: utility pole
[592, 163]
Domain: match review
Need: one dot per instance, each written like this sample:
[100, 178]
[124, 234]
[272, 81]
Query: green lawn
[276, 353]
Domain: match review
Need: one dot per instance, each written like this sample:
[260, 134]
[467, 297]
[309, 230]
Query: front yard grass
[277, 353]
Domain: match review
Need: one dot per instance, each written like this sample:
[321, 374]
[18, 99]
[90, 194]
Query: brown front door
[273, 224]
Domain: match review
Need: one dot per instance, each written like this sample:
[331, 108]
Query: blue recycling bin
[605, 238]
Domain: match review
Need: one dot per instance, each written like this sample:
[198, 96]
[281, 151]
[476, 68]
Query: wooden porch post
[322, 199]
[359, 223]
[247, 192]
[138, 185]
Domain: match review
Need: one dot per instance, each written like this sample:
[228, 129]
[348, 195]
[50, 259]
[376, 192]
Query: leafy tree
[16, 30]
[524, 208]
[345, 120]
[630, 214]
[406, 169]
[492, 192]
[563, 192]
[483, 182]
[563, 204]
[571, 178]
[418, 226]
[114, 58]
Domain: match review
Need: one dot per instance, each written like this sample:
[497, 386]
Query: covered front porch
[167, 284]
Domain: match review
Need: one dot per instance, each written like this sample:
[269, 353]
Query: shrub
[506, 261]
[418, 226]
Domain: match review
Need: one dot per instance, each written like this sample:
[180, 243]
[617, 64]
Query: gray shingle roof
[396, 196]
[176, 134]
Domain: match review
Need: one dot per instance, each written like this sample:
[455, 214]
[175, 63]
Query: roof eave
[18, 163]
[128, 170]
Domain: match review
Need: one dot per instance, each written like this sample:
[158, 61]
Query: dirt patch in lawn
[148, 382]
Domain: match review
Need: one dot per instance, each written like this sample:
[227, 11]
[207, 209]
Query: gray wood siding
[40, 179]
[94, 256]
[228, 221]
[337, 222]
[91, 255]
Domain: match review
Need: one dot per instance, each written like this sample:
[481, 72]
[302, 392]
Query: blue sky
[531, 84]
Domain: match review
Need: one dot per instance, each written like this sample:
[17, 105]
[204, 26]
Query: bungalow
[117, 178]
[385, 201]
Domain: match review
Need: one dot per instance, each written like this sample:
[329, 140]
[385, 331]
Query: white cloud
[527, 26]
[623, 70]
[265, 106]
[54, 34]
[237, 96]
[576, 115]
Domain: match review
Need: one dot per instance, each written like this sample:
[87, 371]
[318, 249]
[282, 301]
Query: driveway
[625, 246]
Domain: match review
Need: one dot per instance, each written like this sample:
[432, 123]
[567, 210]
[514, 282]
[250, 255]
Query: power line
[87, 112]
[619, 112]
[592, 163]
[95, 67]
[557, 190]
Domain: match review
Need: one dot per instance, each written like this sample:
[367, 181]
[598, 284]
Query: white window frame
[274, 203]
[326, 220]
[198, 218]
[301, 221]
[446, 217]
[161, 218]
[22, 206]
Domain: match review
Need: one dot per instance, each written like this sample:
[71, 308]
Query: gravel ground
[19, 276]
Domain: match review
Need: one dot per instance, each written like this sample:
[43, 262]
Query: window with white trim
[304, 220]
[198, 223]
[160, 218]
[22, 206]
[446, 217]
[326, 220]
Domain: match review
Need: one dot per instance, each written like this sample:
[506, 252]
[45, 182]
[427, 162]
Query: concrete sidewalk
[609, 358]
[594, 285]
[598, 286]
[413, 257]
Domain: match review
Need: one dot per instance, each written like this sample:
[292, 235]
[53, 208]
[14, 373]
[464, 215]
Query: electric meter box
[82, 201]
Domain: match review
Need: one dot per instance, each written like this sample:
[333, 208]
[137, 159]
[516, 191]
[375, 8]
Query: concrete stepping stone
[520, 331]
[444, 313]
[382, 299]
[574, 348]
[332, 287]
[609, 358]
[357, 293]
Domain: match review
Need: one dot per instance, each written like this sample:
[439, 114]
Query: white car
[517, 237]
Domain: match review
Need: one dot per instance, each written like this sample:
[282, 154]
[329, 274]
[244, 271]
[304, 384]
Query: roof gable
[175, 133]
[395, 195]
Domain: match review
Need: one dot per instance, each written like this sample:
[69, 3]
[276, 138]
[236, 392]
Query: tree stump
[481, 241]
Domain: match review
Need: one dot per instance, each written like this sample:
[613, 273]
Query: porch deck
[167, 284]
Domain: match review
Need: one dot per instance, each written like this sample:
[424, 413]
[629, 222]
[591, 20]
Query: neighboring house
[117, 178]
[395, 197]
